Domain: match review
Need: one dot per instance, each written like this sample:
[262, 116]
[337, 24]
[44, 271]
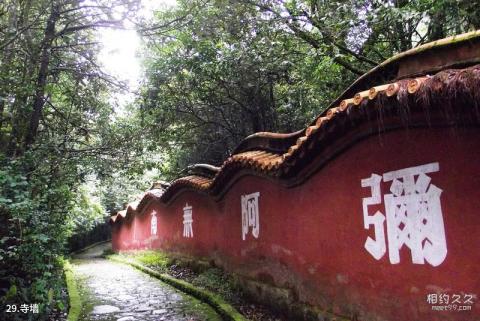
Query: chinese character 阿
[250, 215]
[187, 221]
[413, 214]
[153, 223]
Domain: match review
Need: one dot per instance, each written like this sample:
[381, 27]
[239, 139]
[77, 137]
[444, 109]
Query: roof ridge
[283, 162]
[281, 165]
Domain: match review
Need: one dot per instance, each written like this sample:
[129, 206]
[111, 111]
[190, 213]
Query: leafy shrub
[33, 230]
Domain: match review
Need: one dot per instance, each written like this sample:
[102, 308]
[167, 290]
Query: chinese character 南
[187, 221]
[413, 216]
[250, 214]
[153, 223]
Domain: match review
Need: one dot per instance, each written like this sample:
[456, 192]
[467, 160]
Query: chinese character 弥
[153, 223]
[250, 214]
[413, 216]
[187, 221]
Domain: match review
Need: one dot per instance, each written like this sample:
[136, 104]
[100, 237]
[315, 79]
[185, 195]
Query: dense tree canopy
[215, 72]
[56, 127]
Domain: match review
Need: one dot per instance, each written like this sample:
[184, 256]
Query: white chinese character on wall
[187, 221]
[250, 214]
[153, 223]
[413, 214]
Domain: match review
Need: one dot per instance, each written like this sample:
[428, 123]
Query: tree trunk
[39, 102]
[5, 66]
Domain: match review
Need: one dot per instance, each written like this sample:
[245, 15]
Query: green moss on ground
[153, 259]
[215, 279]
[74, 297]
[194, 306]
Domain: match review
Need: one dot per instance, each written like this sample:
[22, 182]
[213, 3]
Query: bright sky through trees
[120, 53]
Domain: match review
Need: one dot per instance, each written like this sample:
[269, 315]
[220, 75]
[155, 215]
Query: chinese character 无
[250, 214]
[187, 221]
[413, 216]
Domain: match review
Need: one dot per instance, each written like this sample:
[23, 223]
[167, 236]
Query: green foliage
[75, 302]
[86, 211]
[122, 186]
[220, 70]
[56, 129]
[215, 72]
[225, 74]
[31, 239]
[153, 259]
[215, 280]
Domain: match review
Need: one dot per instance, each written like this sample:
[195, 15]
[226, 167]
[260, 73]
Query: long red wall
[312, 236]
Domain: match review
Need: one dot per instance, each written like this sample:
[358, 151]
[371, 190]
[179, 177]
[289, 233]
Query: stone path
[117, 292]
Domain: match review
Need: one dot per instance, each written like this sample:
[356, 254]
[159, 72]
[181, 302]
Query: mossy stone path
[116, 292]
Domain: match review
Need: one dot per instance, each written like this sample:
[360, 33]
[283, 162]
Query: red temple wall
[312, 236]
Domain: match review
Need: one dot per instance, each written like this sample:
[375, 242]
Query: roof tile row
[274, 164]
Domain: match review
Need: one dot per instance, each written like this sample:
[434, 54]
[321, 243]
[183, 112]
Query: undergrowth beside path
[75, 302]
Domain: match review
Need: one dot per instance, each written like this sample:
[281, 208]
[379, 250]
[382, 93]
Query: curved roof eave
[291, 151]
